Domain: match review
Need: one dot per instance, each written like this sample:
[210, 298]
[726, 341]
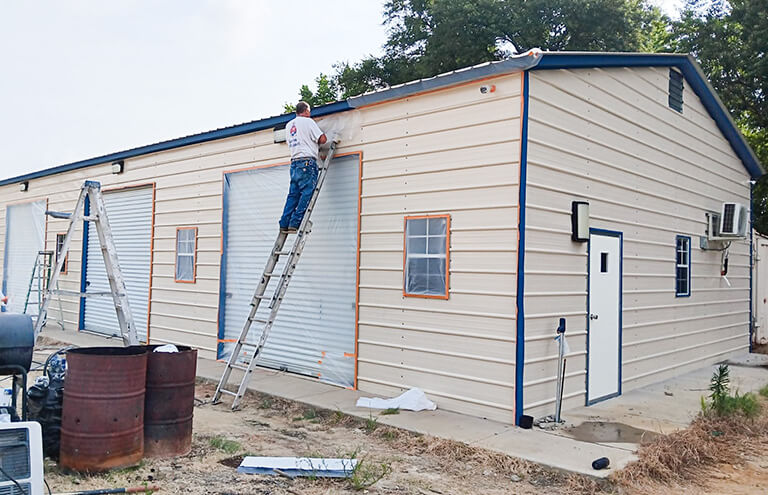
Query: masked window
[426, 256]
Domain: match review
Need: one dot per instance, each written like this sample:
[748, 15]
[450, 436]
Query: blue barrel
[17, 340]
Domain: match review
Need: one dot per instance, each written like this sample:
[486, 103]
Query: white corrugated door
[130, 219]
[314, 333]
[24, 238]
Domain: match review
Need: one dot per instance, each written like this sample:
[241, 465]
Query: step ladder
[93, 211]
[275, 298]
[39, 282]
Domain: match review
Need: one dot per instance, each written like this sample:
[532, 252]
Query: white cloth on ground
[412, 400]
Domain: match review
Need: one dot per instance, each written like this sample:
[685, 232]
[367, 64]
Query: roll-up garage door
[24, 238]
[130, 219]
[314, 333]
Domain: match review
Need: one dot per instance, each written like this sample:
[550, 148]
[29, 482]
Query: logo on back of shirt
[293, 130]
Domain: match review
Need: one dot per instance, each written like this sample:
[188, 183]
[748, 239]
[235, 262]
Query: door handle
[592, 316]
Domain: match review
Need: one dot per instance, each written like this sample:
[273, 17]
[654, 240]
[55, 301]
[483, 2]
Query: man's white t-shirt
[302, 134]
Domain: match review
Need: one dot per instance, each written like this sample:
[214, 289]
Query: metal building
[443, 252]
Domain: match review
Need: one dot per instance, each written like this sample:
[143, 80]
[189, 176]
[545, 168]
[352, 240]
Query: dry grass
[684, 457]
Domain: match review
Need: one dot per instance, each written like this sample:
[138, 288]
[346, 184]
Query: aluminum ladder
[94, 211]
[39, 281]
[276, 297]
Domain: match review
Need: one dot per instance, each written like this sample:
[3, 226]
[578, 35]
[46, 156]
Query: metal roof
[532, 60]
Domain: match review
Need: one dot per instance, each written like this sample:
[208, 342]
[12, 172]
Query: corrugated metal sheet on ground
[314, 333]
[130, 219]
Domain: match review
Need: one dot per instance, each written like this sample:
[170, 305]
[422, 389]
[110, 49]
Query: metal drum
[17, 340]
[170, 401]
[102, 424]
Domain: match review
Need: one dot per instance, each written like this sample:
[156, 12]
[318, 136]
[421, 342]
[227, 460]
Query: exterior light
[580, 221]
[279, 135]
[24, 186]
[118, 167]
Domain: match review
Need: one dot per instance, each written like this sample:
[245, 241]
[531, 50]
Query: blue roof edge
[693, 74]
[236, 130]
[531, 60]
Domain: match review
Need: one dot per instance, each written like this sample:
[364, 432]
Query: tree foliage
[730, 40]
[429, 37]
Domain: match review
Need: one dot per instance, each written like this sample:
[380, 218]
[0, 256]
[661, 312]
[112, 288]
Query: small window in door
[683, 266]
[186, 252]
[426, 256]
[604, 262]
[59, 246]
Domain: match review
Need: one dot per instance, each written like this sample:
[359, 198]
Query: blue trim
[84, 264]
[226, 132]
[690, 266]
[620, 236]
[751, 269]
[693, 74]
[520, 318]
[528, 61]
[223, 266]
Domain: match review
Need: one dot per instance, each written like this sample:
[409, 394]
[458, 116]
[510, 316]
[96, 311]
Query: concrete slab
[657, 408]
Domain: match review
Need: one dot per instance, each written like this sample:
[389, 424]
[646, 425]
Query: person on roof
[304, 138]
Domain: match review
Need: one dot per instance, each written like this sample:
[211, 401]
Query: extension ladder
[39, 281]
[97, 213]
[276, 297]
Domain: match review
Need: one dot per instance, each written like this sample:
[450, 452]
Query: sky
[84, 78]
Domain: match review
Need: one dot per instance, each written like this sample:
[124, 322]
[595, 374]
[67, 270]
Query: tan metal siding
[450, 152]
[607, 136]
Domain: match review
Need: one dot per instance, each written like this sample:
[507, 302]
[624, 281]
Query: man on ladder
[304, 138]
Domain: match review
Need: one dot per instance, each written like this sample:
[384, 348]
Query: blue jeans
[303, 180]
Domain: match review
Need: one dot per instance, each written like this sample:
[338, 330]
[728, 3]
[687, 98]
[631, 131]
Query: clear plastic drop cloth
[25, 237]
[314, 333]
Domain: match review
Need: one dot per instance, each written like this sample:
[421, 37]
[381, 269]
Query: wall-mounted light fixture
[24, 186]
[279, 133]
[118, 167]
[580, 221]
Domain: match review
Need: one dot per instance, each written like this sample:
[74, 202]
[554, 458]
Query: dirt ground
[407, 463]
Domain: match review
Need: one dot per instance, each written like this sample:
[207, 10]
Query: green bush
[722, 403]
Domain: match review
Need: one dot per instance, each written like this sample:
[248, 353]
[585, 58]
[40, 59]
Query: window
[186, 250]
[683, 266]
[59, 246]
[426, 256]
[675, 90]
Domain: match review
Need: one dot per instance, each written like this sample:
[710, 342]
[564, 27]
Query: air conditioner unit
[21, 457]
[733, 220]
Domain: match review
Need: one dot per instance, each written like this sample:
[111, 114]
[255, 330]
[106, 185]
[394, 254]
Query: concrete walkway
[610, 429]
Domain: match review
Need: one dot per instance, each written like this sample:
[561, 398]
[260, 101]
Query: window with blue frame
[683, 266]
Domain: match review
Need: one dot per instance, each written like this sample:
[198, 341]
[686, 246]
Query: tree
[325, 93]
[729, 41]
[429, 37]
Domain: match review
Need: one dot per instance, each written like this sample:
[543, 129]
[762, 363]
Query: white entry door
[604, 316]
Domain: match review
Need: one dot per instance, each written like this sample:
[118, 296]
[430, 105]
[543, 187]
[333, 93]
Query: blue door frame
[620, 236]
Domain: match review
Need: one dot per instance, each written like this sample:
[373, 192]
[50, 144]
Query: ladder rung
[90, 219]
[259, 320]
[281, 253]
[239, 367]
[81, 294]
[228, 392]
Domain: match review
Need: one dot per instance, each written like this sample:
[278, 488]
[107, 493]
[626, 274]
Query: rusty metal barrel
[170, 401]
[102, 424]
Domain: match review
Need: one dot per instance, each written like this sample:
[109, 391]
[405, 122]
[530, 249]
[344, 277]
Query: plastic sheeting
[25, 237]
[412, 400]
[185, 254]
[314, 333]
[130, 219]
[425, 264]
